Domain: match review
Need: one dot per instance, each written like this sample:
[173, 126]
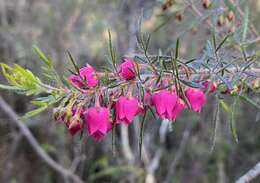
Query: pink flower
[126, 109]
[87, 77]
[164, 102]
[179, 106]
[212, 85]
[76, 81]
[196, 98]
[74, 123]
[74, 127]
[127, 69]
[98, 122]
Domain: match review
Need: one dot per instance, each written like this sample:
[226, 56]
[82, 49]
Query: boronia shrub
[97, 100]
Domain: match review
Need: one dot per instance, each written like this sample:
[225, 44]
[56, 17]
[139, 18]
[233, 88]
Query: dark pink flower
[196, 98]
[126, 109]
[212, 85]
[179, 106]
[98, 122]
[74, 127]
[74, 123]
[76, 81]
[164, 102]
[87, 77]
[127, 69]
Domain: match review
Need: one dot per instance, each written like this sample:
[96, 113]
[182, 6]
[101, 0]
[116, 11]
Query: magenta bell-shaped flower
[87, 77]
[98, 122]
[126, 109]
[167, 104]
[196, 98]
[127, 69]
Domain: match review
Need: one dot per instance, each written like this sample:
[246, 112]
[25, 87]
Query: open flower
[87, 77]
[212, 85]
[196, 98]
[98, 122]
[127, 69]
[126, 109]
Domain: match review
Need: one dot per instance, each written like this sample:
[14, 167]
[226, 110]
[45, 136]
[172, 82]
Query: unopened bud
[206, 3]
[232, 29]
[235, 90]
[230, 16]
[221, 21]
[256, 84]
[178, 17]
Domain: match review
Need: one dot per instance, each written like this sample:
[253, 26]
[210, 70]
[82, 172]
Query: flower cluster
[99, 117]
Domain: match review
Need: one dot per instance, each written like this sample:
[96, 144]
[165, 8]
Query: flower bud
[232, 29]
[256, 84]
[206, 3]
[220, 21]
[230, 16]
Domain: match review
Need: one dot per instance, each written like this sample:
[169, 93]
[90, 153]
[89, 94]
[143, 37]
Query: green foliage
[21, 80]
[48, 70]
[112, 51]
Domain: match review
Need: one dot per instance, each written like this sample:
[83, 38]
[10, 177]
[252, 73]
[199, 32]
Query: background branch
[35, 145]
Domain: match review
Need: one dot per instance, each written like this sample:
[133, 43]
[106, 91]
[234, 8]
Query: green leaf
[34, 112]
[245, 24]
[224, 106]
[8, 87]
[73, 62]
[41, 55]
[245, 98]
[141, 135]
[216, 123]
[112, 50]
[177, 49]
[232, 122]
[214, 40]
[222, 42]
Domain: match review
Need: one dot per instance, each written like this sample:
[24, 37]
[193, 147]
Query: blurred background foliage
[80, 26]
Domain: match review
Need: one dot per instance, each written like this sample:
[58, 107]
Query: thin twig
[250, 175]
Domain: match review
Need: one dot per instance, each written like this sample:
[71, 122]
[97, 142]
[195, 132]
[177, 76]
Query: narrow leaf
[42, 56]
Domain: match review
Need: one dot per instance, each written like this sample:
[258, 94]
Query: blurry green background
[81, 27]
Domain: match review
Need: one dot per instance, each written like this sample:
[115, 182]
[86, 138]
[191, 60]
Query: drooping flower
[196, 98]
[212, 85]
[74, 126]
[126, 109]
[98, 122]
[73, 120]
[87, 77]
[179, 106]
[164, 102]
[88, 73]
[127, 69]
[76, 81]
